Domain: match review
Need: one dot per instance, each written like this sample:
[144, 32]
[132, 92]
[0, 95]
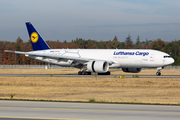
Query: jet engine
[131, 70]
[98, 66]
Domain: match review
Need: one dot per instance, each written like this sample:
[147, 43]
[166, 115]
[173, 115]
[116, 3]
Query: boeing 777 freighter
[96, 60]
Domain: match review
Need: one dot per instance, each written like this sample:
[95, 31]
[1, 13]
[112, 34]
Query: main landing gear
[159, 71]
[84, 73]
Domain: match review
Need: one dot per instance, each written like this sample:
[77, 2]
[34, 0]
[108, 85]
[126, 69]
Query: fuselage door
[152, 57]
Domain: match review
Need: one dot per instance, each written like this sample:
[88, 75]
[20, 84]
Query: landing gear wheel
[80, 73]
[88, 73]
[84, 73]
[107, 73]
[158, 73]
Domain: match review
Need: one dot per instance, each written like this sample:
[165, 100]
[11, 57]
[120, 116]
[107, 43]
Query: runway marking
[41, 118]
[90, 110]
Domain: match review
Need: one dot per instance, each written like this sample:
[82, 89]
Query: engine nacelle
[98, 66]
[131, 70]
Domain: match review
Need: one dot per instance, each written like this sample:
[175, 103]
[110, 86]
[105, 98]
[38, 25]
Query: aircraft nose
[171, 61]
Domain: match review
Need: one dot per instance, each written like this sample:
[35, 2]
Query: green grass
[92, 100]
[12, 96]
[135, 76]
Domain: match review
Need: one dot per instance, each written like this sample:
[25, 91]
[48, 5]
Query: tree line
[172, 48]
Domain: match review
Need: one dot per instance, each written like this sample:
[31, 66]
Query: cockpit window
[167, 56]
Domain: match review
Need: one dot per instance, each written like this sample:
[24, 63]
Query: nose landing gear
[159, 71]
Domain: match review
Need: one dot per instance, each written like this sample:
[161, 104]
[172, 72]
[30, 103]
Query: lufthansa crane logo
[34, 37]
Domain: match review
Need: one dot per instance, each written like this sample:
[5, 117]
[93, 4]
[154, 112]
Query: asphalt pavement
[75, 75]
[13, 110]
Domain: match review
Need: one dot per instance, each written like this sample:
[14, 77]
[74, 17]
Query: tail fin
[36, 40]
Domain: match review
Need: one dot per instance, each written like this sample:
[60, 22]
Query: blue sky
[91, 19]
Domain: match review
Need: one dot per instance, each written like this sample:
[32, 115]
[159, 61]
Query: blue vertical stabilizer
[36, 40]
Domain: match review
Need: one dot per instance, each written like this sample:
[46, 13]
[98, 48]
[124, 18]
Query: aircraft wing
[57, 57]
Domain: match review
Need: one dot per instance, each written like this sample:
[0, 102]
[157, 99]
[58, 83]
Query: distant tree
[81, 42]
[129, 42]
[19, 40]
[138, 41]
[128, 39]
[115, 39]
[72, 45]
[65, 41]
[17, 47]
[147, 42]
[158, 44]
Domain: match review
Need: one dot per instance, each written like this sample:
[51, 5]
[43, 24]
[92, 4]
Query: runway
[76, 75]
[12, 110]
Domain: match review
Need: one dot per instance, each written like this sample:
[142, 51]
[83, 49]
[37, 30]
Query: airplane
[96, 60]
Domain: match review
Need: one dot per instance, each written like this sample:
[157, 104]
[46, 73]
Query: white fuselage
[121, 58]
